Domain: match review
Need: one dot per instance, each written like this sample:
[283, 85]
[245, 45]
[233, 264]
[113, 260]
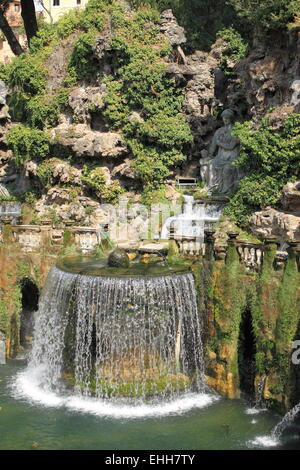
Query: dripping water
[259, 393]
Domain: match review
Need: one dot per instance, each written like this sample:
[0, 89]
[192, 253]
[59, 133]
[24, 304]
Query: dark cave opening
[246, 354]
[30, 300]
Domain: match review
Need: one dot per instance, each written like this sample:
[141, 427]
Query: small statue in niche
[217, 170]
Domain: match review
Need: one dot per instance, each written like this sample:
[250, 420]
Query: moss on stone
[148, 387]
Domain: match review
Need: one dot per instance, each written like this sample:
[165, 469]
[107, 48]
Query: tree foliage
[204, 18]
[95, 179]
[267, 14]
[27, 143]
[236, 48]
[270, 158]
[142, 101]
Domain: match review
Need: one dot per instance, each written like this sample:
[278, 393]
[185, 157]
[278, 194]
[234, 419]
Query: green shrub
[69, 22]
[44, 173]
[45, 37]
[235, 50]
[158, 138]
[152, 164]
[267, 14]
[92, 20]
[117, 111]
[96, 180]
[42, 110]
[270, 158]
[27, 143]
[30, 197]
[81, 63]
[165, 131]
[4, 72]
[28, 73]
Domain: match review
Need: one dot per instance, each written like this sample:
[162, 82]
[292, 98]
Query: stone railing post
[209, 241]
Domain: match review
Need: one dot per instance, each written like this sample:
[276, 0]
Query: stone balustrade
[190, 246]
[251, 254]
[32, 238]
[86, 238]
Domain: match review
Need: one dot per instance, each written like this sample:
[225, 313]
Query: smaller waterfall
[191, 223]
[3, 191]
[2, 349]
[286, 420]
[11, 210]
[260, 391]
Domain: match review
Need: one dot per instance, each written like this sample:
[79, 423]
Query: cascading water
[126, 340]
[10, 209]
[286, 420]
[192, 221]
[260, 391]
[273, 439]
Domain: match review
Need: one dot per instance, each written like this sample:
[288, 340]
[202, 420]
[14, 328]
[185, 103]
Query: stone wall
[15, 266]
[270, 299]
[239, 280]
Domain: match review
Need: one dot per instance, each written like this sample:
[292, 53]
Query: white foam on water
[174, 407]
[253, 421]
[254, 411]
[263, 441]
[27, 385]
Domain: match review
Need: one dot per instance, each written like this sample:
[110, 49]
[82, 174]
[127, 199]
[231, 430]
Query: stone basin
[95, 266]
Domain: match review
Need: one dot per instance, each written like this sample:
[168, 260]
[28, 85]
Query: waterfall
[260, 391]
[4, 191]
[2, 349]
[11, 210]
[286, 420]
[192, 221]
[132, 337]
[50, 325]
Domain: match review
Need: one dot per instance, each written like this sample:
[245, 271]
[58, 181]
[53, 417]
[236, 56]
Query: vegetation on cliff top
[138, 86]
[204, 18]
[142, 102]
[269, 158]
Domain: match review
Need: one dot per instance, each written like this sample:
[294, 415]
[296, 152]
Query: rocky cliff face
[267, 78]
[283, 224]
[270, 76]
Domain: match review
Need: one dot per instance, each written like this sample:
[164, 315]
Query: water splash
[254, 411]
[27, 386]
[263, 441]
[286, 420]
[51, 320]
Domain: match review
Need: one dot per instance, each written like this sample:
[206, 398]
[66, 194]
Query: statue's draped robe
[224, 174]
